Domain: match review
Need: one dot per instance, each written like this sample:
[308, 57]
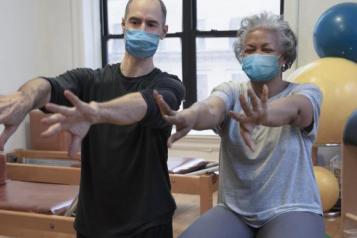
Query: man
[125, 188]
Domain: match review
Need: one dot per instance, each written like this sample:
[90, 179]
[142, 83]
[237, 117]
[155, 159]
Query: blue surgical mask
[141, 44]
[261, 68]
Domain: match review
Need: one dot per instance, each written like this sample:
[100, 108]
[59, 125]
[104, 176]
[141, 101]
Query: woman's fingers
[163, 106]
[245, 106]
[248, 139]
[264, 97]
[254, 99]
[176, 136]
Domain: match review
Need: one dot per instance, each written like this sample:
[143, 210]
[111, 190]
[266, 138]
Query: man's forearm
[37, 93]
[125, 110]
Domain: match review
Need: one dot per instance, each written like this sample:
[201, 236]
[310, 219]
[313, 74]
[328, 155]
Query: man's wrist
[95, 114]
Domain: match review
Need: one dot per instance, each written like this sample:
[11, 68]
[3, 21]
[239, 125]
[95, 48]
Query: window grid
[188, 38]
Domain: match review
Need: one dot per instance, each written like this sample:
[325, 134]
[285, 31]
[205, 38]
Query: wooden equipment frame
[31, 225]
[35, 225]
[348, 190]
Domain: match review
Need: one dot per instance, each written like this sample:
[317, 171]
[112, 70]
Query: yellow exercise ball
[337, 79]
[328, 186]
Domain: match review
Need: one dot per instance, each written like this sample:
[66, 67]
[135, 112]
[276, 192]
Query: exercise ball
[337, 79]
[335, 32]
[328, 186]
[350, 132]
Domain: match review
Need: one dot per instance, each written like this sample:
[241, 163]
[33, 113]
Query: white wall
[302, 15]
[44, 38]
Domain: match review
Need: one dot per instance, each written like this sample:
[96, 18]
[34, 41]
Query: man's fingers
[52, 119]
[59, 109]
[5, 135]
[52, 130]
[73, 99]
[163, 106]
[74, 146]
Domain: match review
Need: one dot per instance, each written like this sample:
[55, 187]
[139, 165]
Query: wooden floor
[188, 210]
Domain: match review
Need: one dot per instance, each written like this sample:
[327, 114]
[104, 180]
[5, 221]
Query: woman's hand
[183, 120]
[252, 115]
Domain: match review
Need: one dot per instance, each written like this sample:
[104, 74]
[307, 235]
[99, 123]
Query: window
[198, 47]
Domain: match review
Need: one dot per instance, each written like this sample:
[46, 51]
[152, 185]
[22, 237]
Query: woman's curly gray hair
[288, 41]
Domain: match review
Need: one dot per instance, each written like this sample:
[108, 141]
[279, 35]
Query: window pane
[216, 63]
[115, 50]
[227, 14]
[116, 10]
[167, 57]
[174, 15]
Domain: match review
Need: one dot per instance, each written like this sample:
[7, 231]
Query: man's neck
[134, 67]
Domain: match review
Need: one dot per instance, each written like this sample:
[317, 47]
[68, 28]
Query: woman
[267, 127]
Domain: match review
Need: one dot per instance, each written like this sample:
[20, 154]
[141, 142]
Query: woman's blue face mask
[261, 68]
[141, 44]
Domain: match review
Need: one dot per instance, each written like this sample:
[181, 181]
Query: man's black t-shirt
[125, 186]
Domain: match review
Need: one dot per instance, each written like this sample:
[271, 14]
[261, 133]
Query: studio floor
[188, 210]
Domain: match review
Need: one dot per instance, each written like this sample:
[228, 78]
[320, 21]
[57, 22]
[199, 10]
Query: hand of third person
[13, 109]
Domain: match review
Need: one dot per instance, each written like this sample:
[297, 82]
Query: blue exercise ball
[335, 32]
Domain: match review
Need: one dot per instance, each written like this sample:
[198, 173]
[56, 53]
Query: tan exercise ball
[337, 79]
[328, 186]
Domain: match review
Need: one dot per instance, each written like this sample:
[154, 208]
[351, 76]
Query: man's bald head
[162, 5]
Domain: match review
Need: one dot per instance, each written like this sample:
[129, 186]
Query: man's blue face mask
[261, 68]
[141, 44]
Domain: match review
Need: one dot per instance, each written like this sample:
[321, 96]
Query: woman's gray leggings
[220, 222]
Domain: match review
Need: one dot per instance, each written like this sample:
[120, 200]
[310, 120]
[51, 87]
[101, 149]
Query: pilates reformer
[36, 224]
[37, 200]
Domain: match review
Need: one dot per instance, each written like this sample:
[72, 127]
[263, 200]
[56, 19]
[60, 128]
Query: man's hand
[75, 120]
[13, 109]
[253, 115]
[183, 120]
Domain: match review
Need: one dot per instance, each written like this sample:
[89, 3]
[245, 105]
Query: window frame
[188, 38]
